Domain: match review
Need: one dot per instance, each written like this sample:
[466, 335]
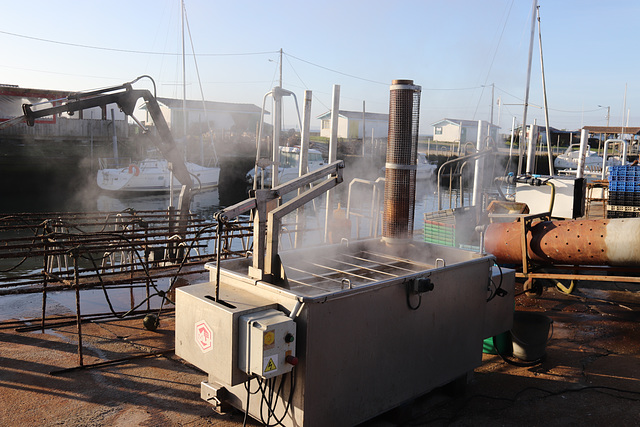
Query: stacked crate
[624, 192]
[452, 227]
[440, 228]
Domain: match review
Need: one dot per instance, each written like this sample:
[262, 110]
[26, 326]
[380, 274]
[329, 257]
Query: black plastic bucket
[530, 335]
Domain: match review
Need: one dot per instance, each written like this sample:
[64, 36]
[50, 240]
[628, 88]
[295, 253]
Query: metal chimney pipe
[400, 171]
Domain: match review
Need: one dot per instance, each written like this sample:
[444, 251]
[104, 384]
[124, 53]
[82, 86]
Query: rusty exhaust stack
[400, 171]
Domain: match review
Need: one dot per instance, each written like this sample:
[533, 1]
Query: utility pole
[280, 84]
[493, 87]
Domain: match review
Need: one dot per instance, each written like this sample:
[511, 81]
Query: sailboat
[153, 175]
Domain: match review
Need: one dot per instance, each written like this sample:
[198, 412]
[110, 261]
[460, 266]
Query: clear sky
[454, 49]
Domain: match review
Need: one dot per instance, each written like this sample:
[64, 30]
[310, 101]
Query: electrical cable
[267, 398]
[411, 307]
[497, 289]
[247, 386]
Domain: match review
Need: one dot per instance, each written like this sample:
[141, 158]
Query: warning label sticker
[269, 339]
[270, 363]
[204, 336]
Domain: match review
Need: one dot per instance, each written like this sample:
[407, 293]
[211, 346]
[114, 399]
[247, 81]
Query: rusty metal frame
[528, 266]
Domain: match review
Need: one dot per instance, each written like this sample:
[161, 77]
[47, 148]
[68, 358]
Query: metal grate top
[334, 272]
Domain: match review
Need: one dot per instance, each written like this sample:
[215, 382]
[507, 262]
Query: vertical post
[91, 140]
[531, 148]
[544, 94]
[513, 129]
[76, 273]
[114, 138]
[364, 128]
[493, 88]
[277, 127]
[526, 95]
[303, 166]
[372, 146]
[584, 144]
[201, 150]
[45, 269]
[333, 154]
[479, 165]
[277, 124]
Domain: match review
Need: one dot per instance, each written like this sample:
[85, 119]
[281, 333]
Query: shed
[350, 124]
[220, 115]
[457, 130]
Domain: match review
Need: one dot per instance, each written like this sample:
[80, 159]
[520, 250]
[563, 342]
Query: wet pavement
[591, 374]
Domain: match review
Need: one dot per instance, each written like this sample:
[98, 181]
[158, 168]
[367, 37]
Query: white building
[220, 115]
[462, 131]
[350, 124]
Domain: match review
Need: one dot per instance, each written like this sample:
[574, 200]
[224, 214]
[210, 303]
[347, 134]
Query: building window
[438, 130]
[326, 124]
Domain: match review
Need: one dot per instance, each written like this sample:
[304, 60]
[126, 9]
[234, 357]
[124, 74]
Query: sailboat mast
[184, 77]
[544, 94]
[526, 99]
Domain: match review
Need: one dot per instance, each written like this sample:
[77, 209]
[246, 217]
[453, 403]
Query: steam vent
[400, 174]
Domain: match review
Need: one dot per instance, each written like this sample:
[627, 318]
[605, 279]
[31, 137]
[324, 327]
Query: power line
[369, 80]
[84, 46]
[335, 71]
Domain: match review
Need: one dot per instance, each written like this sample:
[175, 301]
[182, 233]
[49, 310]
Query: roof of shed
[228, 107]
[459, 122]
[356, 115]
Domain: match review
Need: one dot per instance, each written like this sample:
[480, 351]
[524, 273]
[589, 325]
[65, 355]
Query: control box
[266, 343]
[207, 330]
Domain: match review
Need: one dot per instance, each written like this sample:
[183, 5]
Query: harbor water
[204, 205]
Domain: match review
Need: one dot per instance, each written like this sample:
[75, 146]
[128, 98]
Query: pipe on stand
[605, 242]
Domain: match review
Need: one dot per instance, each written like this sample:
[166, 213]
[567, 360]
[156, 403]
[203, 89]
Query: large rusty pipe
[607, 242]
[400, 167]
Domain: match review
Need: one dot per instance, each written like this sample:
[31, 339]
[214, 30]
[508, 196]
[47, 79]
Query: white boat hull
[151, 176]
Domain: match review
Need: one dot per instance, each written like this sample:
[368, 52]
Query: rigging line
[495, 52]
[129, 50]
[204, 105]
[510, 94]
[305, 85]
[550, 109]
[575, 111]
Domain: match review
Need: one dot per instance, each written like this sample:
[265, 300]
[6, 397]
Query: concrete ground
[591, 374]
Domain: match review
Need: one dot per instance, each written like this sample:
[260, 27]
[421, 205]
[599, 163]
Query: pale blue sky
[450, 48]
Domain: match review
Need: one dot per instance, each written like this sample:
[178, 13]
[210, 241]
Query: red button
[292, 360]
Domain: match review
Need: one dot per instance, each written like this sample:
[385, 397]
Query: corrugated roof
[228, 107]
[459, 122]
[356, 115]
[631, 130]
